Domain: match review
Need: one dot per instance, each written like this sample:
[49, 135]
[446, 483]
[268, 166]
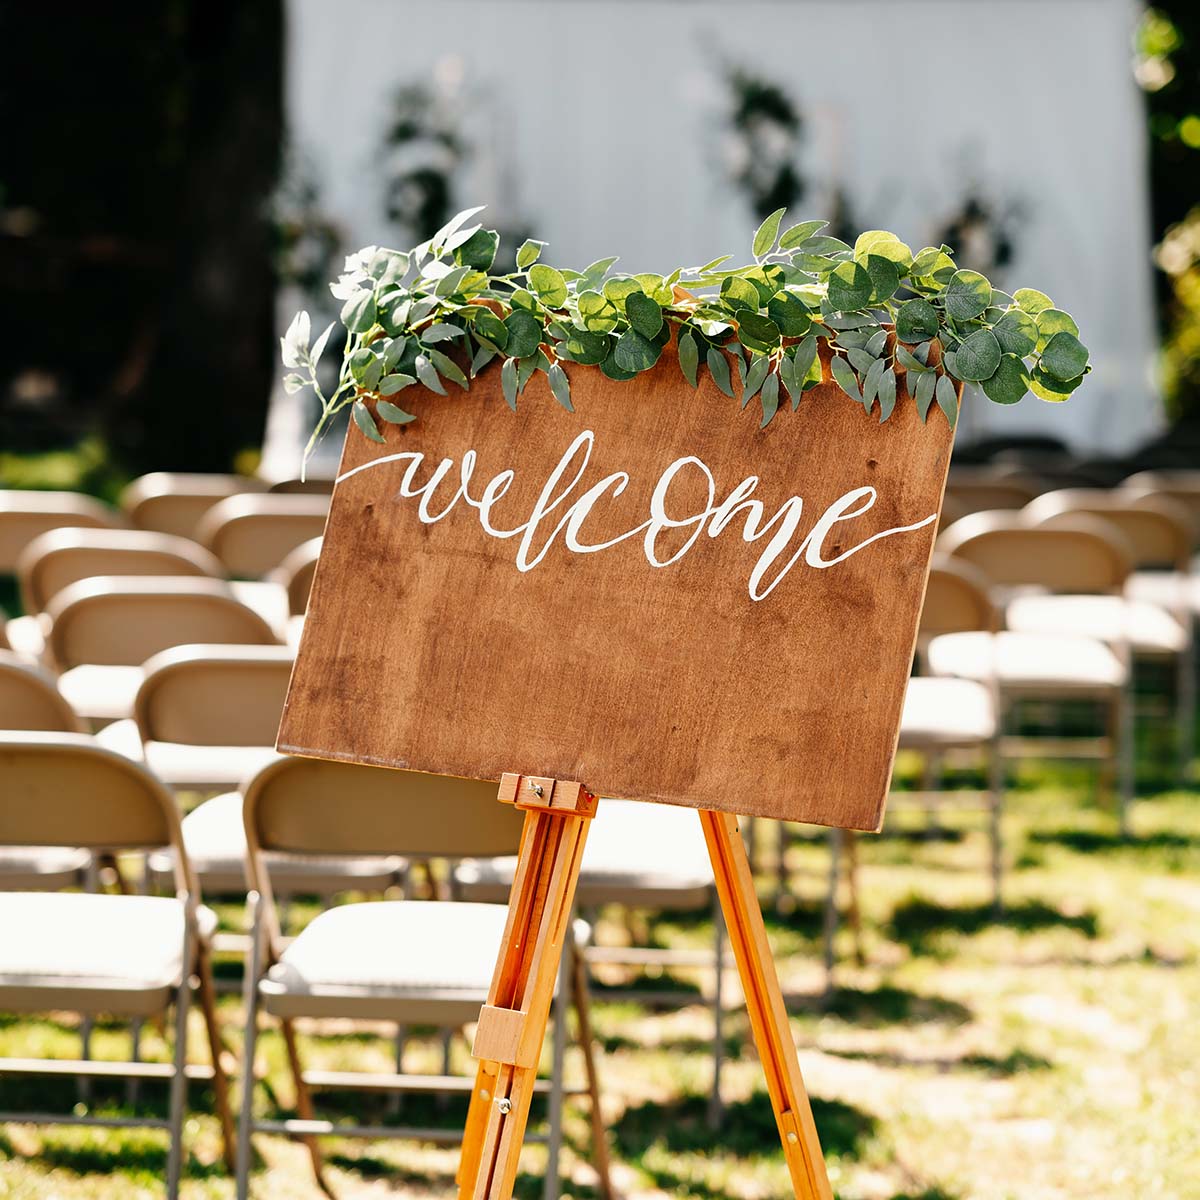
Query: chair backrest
[1078, 554]
[304, 487]
[30, 699]
[25, 514]
[175, 502]
[1182, 487]
[64, 789]
[111, 621]
[310, 806]
[1158, 530]
[296, 573]
[214, 695]
[952, 510]
[956, 600]
[61, 557]
[986, 489]
[252, 535]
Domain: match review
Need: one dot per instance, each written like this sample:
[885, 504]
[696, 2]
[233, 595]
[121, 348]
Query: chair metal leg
[550, 1187]
[587, 1043]
[1125, 757]
[396, 1099]
[179, 1075]
[716, 1106]
[850, 844]
[832, 915]
[996, 780]
[249, 1045]
[304, 1105]
[132, 1085]
[1186, 704]
[216, 1050]
[83, 1085]
[783, 835]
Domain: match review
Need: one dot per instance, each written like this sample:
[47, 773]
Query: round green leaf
[549, 284]
[916, 321]
[1051, 321]
[635, 352]
[757, 332]
[1065, 356]
[488, 325]
[598, 313]
[1010, 382]
[1032, 301]
[524, 333]
[967, 294]
[478, 251]
[358, 313]
[1017, 332]
[790, 314]
[1043, 385]
[979, 356]
[644, 314]
[884, 244]
[850, 287]
[614, 370]
[584, 346]
[885, 278]
[740, 293]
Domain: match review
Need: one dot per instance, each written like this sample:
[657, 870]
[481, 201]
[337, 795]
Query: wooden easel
[512, 1023]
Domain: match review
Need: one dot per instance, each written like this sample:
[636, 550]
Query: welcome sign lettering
[651, 594]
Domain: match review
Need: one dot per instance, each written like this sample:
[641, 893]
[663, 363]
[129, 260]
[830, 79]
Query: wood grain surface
[427, 648]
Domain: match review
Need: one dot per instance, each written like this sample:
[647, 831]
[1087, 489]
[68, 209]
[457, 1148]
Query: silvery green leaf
[844, 377]
[448, 367]
[1017, 332]
[908, 362]
[768, 231]
[876, 343]
[452, 281]
[560, 385]
[389, 385]
[483, 356]
[787, 376]
[947, 399]
[459, 238]
[389, 412]
[1010, 383]
[293, 345]
[1065, 356]
[319, 345]
[718, 368]
[525, 370]
[978, 357]
[756, 374]
[923, 393]
[635, 352]
[822, 245]
[529, 253]
[293, 383]
[508, 382]
[645, 314]
[358, 313]
[372, 373]
[860, 360]
[1032, 301]
[689, 357]
[887, 394]
[806, 353]
[428, 375]
[850, 321]
[798, 234]
[967, 295]
[365, 422]
[393, 351]
[421, 309]
[455, 223]
[549, 285]
[769, 398]
[438, 332]
[871, 380]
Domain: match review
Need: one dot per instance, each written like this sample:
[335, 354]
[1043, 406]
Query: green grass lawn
[1051, 1053]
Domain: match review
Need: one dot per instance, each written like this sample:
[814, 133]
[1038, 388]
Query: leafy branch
[436, 313]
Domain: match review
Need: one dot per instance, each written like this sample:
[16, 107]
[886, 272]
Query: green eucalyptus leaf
[358, 313]
[478, 252]
[967, 295]
[923, 393]
[481, 360]
[614, 370]
[1032, 301]
[1010, 381]
[860, 360]
[1065, 356]
[909, 361]
[597, 313]
[428, 375]
[549, 285]
[1051, 321]
[768, 232]
[850, 287]
[885, 278]
[822, 245]
[508, 382]
[979, 356]
[524, 334]
[871, 380]
[758, 333]
[1046, 387]
[755, 376]
[560, 385]
[844, 377]
[876, 343]
[488, 325]
[916, 320]
[391, 413]
[389, 385]
[438, 332]
[530, 251]
[718, 368]
[789, 313]
[947, 398]
[645, 314]
[886, 245]
[769, 398]
[689, 357]
[930, 263]
[797, 234]
[1017, 332]
[887, 394]
[584, 346]
[635, 352]
[365, 422]
[448, 367]
[525, 370]
[740, 294]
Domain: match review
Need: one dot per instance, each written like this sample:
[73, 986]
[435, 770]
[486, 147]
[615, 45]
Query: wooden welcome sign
[651, 594]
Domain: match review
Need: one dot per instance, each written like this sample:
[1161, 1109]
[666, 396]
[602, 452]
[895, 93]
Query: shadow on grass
[918, 923]
[885, 1005]
[1016, 1062]
[1091, 841]
[650, 985]
[747, 1128]
[131, 1152]
[732, 1044]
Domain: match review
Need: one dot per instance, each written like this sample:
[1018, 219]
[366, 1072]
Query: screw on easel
[504, 1104]
[538, 790]
[791, 1137]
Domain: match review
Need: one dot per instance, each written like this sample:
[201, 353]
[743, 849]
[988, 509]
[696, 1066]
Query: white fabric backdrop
[599, 122]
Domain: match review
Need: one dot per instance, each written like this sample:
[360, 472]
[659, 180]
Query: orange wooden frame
[512, 1023]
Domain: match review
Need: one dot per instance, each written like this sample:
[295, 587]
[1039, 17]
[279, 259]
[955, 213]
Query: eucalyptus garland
[436, 314]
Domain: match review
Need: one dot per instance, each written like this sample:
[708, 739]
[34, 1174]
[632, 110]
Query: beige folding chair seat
[92, 953]
[295, 574]
[942, 714]
[175, 502]
[26, 514]
[1039, 664]
[102, 630]
[253, 534]
[1145, 627]
[1168, 589]
[309, 486]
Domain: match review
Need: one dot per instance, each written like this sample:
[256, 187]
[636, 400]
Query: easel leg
[512, 1025]
[764, 1002]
